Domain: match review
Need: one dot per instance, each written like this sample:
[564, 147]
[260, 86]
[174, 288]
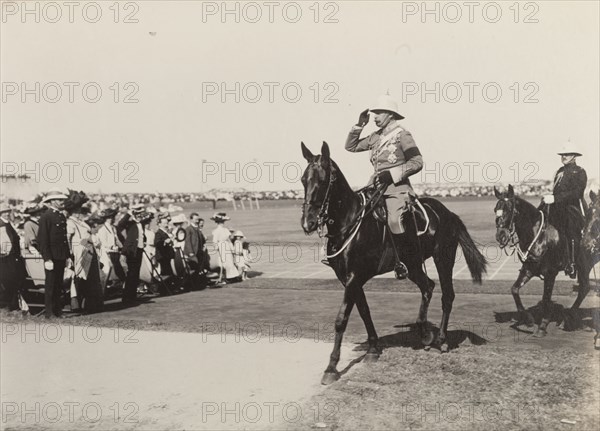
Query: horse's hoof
[427, 338]
[370, 358]
[427, 348]
[540, 333]
[329, 378]
[444, 348]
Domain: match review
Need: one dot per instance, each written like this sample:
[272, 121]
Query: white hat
[238, 233]
[4, 207]
[54, 194]
[569, 148]
[179, 219]
[387, 103]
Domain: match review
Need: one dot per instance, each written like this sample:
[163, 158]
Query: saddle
[377, 206]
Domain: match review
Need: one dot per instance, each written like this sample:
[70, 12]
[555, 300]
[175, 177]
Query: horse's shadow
[565, 317]
[409, 337]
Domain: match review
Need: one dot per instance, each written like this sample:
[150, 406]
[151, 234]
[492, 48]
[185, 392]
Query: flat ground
[251, 355]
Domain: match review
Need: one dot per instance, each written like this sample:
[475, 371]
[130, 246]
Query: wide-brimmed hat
[33, 208]
[4, 207]
[219, 217]
[238, 234]
[53, 195]
[179, 219]
[388, 104]
[95, 219]
[76, 200]
[164, 215]
[109, 213]
[569, 148]
[137, 208]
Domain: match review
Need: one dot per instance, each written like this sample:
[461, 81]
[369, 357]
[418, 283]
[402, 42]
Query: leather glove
[549, 199]
[48, 265]
[385, 178]
[363, 119]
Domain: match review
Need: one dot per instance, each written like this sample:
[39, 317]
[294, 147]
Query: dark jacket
[130, 228]
[163, 251]
[52, 236]
[13, 236]
[194, 242]
[569, 185]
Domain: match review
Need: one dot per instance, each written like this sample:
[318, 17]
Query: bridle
[513, 239]
[323, 217]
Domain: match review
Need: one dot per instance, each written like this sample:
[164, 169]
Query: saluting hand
[363, 119]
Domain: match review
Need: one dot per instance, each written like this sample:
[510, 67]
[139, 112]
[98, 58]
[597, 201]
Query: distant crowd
[78, 249]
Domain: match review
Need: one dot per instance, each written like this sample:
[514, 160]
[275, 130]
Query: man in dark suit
[12, 265]
[163, 243]
[133, 249]
[567, 207]
[193, 248]
[54, 248]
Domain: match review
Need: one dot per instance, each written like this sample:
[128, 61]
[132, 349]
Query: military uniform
[391, 148]
[52, 241]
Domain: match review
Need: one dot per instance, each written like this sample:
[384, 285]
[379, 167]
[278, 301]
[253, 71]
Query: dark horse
[357, 252]
[541, 249]
[591, 246]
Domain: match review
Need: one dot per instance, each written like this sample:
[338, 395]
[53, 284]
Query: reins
[514, 238]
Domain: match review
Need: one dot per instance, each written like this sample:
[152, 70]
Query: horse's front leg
[363, 308]
[546, 304]
[341, 321]
[524, 276]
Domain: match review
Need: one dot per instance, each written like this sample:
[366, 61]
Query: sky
[193, 97]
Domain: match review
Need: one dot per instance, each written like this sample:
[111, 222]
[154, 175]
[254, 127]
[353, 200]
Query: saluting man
[133, 249]
[569, 185]
[395, 157]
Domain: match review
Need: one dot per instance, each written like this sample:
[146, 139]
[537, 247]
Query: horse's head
[591, 233]
[316, 181]
[505, 215]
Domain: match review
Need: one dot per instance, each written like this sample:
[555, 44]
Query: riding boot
[406, 240]
[570, 268]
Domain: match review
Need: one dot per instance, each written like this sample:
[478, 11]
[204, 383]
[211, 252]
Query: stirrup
[400, 271]
[571, 271]
[325, 262]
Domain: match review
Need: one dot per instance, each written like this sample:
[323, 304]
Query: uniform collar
[391, 126]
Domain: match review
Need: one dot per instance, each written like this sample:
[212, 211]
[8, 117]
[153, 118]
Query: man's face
[163, 223]
[382, 118]
[57, 204]
[567, 158]
[201, 224]
[195, 220]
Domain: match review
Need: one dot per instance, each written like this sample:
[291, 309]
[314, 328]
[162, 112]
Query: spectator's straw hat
[569, 148]
[164, 215]
[238, 234]
[179, 219]
[220, 217]
[137, 208]
[4, 207]
[53, 195]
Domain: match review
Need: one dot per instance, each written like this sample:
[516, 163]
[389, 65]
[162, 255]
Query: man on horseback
[395, 157]
[566, 205]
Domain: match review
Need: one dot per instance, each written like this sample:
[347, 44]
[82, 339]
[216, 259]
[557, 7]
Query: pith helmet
[387, 103]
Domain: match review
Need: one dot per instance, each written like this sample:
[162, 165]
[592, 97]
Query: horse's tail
[476, 261]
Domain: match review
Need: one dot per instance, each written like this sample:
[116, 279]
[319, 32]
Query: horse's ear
[306, 153]
[325, 151]
[497, 193]
[511, 192]
[593, 196]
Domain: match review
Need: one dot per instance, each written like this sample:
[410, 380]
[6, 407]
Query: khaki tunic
[393, 149]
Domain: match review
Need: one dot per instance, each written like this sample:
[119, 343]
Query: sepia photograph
[299, 215]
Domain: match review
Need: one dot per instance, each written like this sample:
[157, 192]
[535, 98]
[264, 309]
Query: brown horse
[356, 251]
[522, 226]
[591, 246]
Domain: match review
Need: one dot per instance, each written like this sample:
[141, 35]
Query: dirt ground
[244, 358]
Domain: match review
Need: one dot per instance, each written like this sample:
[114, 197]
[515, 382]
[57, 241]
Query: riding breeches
[397, 209]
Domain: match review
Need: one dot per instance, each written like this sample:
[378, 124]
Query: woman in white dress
[221, 239]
